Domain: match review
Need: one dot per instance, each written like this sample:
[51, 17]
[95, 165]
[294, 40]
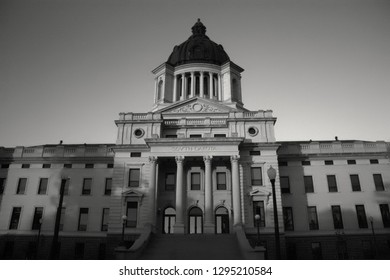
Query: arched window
[160, 90]
[169, 220]
[205, 85]
[221, 220]
[195, 221]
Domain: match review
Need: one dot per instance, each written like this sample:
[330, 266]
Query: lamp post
[271, 172]
[38, 238]
[257, 218]
[124, 219]
[373, 234]
[54, 245]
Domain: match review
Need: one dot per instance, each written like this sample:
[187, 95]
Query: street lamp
[124, 219]
[271, 172]
[54, 245]
[373, 234]
[38, 238]
[257, 218]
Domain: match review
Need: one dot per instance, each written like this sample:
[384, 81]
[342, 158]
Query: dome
[198, 48]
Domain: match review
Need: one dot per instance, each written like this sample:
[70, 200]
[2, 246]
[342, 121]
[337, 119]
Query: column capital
[152, 159]
[234, 158]
[179, 159]
[207, 159]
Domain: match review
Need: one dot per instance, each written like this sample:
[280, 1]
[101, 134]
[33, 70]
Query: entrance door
[169, 220]
[221, 220]
[195, 221]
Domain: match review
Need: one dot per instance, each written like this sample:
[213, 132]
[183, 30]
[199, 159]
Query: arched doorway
[195, 221]
[169, 220]
[221, 220]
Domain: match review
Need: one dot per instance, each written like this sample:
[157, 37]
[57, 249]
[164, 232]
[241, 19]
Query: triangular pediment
[132, 193]
[197, 105]
[259, 192]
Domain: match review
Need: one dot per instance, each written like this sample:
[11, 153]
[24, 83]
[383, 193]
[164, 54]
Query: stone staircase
[192, 247]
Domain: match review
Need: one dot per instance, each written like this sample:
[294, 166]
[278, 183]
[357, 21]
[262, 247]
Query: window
[38, 213]
[25, 165]
[46, 165]
[83, 219]
[5, 166]
[361, 216]
[2, 185]
[355, 183]
[16, 211]
[374, 161]
[134, 177]
[221, 181]
[385, 214]
[309, 186]
[332, 184]
[110, 165]
[42, 185]
[285, 184]
[131, 213]
[21, 186]
[337, 217]
[288, 218]
[219, 135]
[105, 216]
[283, 163]
[253, 131]
[139, 132]
[195, 181]
[62, 219]
[79, 251]
[87, 186]
[256, 176]
[67, 165]
[306, 162]
[316, 250]
[170, 183]
[135, 154]
[328, 162]
[258, 209]
[108, 186]
[171, 136]
[66, 187]
[313, 219]
[254, 153]
[89, 165]
[195, 135]
[378, 182]
[351, 161]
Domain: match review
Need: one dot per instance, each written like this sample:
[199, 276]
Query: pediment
[259, 192]
[197, 105]
[132, 193]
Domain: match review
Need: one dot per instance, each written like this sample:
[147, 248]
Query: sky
[68, 68]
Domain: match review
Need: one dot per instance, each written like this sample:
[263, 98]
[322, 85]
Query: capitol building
[197, 177]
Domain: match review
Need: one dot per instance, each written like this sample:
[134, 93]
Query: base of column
[209, 228]
[178, 228]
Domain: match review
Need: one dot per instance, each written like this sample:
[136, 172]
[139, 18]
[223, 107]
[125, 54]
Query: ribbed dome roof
[198, 48]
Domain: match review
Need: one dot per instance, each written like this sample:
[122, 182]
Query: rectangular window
[131, 214]
[316, 250]
[332, 184]
[285, 184]
[135, 154]
[309, 186]
[25, 165]
[385, 214]
[110, 165]
[43, 185]
[16, 211]
[258, 209]
[355, 182]
[254, 153]
[62, 219]
[337, 217]
[312, 216]
[108, 186]
[105, 216]
[46, 165]
[288, 218]
[83, 219]
[89, 165]
[283, 163]
[170, 181]
[66, 187]
[134, 177]
[374, 161]
[37, 220]
[328, 162]
[5, 166]
[87, 186]
[351, 161]
[221, 181]
[79, 251]
[256, 176]
[21, 186]
[171, 136]
[378, 182]
[195, 181]
[220, 135]
[195, 135]
[306, 162]
[2, 185]
[67, 165]
[361, 216]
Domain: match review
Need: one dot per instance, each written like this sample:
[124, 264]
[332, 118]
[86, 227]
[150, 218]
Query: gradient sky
[67, 67]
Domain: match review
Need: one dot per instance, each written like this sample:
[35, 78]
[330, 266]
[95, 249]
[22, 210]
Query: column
[174, 97]
[219, 88]
[211, 88]
[236, 191]
[208, 197]
[201, 89]
[152, 189]
[183, 84]
[192, 84]
[180, 195]
[155, 90]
